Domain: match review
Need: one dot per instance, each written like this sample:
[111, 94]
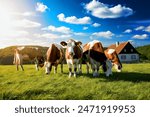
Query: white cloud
[28, 14]
[41, 7]
[20, 33]
[23, 14]
[74, 19]
[96, 24]
[61, 29]
[107, 34]
[25, 23]
[139, 28]
[14, 34]
[47, 35]
[143, 28]
[127, 31]
[119, 36]
[144, 36]
[147, 29]
[52, 36]
[85, 28]
[80, 34]
[101, 10]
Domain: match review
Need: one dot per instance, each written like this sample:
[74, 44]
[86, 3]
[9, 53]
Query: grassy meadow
[133, 83]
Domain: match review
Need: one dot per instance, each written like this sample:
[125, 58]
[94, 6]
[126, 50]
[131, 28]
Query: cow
[18, 59]
[54, 56]
[114, 59]
[28, 54]
[93, 53]
[73, 55]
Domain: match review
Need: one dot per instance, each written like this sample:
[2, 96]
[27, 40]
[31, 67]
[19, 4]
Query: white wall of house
[129, 57]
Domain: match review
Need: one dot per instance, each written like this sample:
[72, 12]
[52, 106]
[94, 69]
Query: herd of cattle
[92, 53]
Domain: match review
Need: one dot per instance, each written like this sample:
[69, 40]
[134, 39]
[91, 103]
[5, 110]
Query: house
[126, 52]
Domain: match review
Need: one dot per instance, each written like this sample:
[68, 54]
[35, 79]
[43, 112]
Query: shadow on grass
[125, 76]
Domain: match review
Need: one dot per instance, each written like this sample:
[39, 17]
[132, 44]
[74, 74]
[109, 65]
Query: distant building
[126, 52]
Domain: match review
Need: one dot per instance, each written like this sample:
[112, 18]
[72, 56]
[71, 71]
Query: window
[125, 50]
[131, 50]
[123, 57]
[133, 57]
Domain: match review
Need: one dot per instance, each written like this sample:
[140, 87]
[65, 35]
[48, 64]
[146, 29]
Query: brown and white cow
[28, 53]
[54, 56]
[93, 53]
[73, 55]
[113, 57]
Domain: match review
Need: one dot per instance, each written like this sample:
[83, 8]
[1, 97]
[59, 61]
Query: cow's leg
[109, 68]
[50, 68]
[22, 67]
[80, 67]
[36, 64]
[93, 66]
[69, 62]
[37, 67]
[55, 69]
[94, 70]
[17, 67]
[87, 67]
[70, 69]
[61, 67]
[97, 69]
[75, 69]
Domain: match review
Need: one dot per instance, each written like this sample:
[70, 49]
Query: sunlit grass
[132, 83]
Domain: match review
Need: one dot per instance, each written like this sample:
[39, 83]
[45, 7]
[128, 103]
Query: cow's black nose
[119, 67]
[71, 53]
[46, 73]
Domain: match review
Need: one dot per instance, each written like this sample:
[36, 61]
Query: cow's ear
[63, 43]
[79, 43]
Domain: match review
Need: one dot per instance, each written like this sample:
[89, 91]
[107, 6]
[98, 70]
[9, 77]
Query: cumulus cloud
[139, 28]
[127, 31]
[144, 36]
[85, 28]
[25, 23]
[143, 28]
[96, 25]
[41, 7]
[147, 29]
[74, 19]
[102, 10]
[107, 34]
[61, 29]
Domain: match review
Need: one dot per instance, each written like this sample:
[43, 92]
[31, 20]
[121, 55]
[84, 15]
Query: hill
[7, 54]
[145, 52]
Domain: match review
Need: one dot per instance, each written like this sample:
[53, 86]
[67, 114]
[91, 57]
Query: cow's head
[113, 57]
[41, 61]
[70, 46]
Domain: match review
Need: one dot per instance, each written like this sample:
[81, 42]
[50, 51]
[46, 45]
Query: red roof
[118, 48]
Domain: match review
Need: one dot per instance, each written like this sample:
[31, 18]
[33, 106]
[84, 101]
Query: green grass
[131, 84]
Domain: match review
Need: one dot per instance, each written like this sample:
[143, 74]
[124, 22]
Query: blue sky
[41, 22]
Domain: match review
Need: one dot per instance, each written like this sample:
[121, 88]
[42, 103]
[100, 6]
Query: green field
[132, 83]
